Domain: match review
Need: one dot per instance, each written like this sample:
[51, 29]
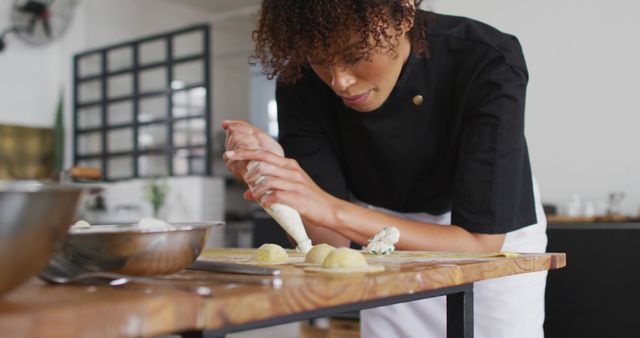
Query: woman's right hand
[243, 136]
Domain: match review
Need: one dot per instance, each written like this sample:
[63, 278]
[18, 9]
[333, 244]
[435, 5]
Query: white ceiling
[221, 6]
[229, 15]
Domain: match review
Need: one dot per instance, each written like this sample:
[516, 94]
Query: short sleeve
[493, 189]
[303, 135]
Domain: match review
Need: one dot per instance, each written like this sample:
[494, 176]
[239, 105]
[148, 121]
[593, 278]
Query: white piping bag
[289, 219]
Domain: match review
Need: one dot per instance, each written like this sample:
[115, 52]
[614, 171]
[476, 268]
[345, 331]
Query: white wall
[30, 78]
[582, 109]
[28, 86]
[583, 112]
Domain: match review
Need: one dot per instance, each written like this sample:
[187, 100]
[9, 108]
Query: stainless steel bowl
[33, 217]
[132, 250]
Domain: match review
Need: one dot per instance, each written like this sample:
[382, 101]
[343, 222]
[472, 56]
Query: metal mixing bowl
[132, 250]
[33, 217]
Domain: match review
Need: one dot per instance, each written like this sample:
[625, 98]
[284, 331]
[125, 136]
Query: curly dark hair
[291, 31]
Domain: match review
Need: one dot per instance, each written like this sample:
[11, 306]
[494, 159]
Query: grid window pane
[120, 140]
[119, 167]
[153, 136]
[143, 131]
[198, 165]
[90, 143]
[120, 113]
[93, 163]
[89, 91]
[152, 80]
[90, 65]
[188, 44]
[121, 85]
[153, 51]
[152, 109]
[120, 58]
[189, 102]
[189, 132]
[189, 73]
[89, 117]
[152, 165]
[189, 161]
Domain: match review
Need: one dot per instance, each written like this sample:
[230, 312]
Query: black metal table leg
[460, 314]
[192, 334]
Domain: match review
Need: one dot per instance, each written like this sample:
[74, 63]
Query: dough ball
[81, 224]
[318, 253]
[380, 248]
[270, 253]
[344, 258]
[387, 235]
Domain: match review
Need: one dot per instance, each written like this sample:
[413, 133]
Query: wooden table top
[591, 219]
[40, 310]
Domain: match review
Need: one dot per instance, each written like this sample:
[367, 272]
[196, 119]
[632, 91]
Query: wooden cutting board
[244, 256]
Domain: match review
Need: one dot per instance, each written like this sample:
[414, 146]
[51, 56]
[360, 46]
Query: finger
[238, 143]
[241, 135]
[237, 168]
[283, 197]
[262, 156]
[248, 195]
[238, 125]
[227, 123]
[269, 184]
[255, 169]
[255, 175]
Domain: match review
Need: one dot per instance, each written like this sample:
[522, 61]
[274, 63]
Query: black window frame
[169, 149]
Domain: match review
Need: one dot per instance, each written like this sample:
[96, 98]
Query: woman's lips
[357, 99]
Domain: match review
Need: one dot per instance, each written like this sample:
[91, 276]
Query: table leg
[460, 313]
[192, 334]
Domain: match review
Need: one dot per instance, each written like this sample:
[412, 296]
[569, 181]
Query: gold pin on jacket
[417, 100]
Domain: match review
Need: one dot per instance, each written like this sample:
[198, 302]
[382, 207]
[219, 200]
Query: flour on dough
[270, 253]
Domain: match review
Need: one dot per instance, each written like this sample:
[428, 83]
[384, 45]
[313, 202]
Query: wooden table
[40, 310]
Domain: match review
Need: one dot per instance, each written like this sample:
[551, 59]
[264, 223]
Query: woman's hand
[243, 136]
[276, 179]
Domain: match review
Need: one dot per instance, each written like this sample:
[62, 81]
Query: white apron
[505, 307]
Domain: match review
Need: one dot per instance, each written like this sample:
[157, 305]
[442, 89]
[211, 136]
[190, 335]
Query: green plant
[58, 136]
[156, 193]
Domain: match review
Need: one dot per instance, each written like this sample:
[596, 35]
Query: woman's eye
[355, 59]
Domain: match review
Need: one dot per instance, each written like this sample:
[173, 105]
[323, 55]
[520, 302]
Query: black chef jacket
[461, 150]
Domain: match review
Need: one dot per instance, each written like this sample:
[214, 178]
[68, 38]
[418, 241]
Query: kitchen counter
[41, 310]
[594, 226]
[597, 294]
[558, 219]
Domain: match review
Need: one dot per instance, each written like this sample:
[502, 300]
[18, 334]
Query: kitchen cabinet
[596, 295]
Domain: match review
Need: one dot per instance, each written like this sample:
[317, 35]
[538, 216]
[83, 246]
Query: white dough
[383, 242]
[318, 254]
[380, 248]
[81, 224]
[387, 235]
[344, 258]
[270, 253]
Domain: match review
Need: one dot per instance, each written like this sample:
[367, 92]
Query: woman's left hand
[276, 179]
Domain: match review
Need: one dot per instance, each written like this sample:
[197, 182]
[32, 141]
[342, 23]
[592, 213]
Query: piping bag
[288, 218]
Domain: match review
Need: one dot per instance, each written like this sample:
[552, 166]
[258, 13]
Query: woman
[392, 116]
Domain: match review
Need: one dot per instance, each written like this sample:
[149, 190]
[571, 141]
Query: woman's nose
[341, 78]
